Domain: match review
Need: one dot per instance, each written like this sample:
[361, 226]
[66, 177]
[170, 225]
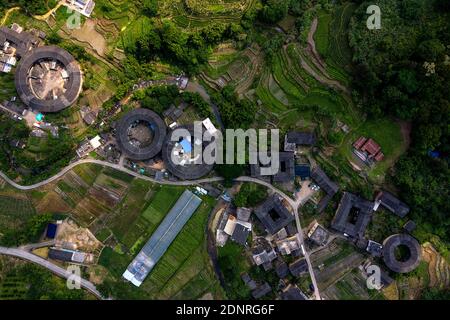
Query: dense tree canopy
[404, 70]
[273, 10]
[42, 284]
[169, 42]
[250, 195]
[31, 7]
[235, 113]
[29, 232]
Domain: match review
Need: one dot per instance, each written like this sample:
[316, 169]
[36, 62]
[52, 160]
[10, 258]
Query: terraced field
[303, 82]
[237, 70]
[333, 45]
[438, 267]
[200, 13]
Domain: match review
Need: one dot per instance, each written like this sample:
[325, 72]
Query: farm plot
[89, 209]
[88, 172]
[14, 212]
[91, 193]
[72, 189]
[131, 207]
[185, 258]
[120, 12]
[109, 189]
[334, 261]
[141, 211]
[184, 270]
[340, 267]
[237, 70]
[13, 288]
[141, 229]
[351, 287]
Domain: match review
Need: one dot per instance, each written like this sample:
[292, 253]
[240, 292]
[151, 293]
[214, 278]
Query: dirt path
[7, 13]
[405, 129]
[312, 44]
[44, 17]
[319, 77]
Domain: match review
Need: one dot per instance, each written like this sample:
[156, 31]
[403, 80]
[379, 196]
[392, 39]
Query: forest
[404, 70]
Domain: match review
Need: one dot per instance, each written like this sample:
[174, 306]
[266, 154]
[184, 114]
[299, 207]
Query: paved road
[291, 202]
[18, 253]
[33, 246]
[294, 204]
[106, 164]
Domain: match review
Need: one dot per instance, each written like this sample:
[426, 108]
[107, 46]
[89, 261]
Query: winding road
[294, 204]
[63, 273]
[106, 164]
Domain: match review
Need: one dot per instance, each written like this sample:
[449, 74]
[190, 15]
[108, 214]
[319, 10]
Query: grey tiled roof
[392, 203]
[73, 86]
[298, 267]
[389, 247]
[159, 133]
[301, 138]
[328, 186]
[341, 221]
[263, 212]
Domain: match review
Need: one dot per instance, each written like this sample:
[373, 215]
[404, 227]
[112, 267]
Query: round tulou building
[401, 253]
[179, 157]
[48, 79]
[140, 134]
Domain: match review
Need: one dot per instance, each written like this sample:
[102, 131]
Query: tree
[150, 7]
[273, 11]
[235, 113]
[229, 172]
[250, 195]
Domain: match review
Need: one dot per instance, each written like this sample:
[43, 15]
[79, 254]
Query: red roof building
[359, 143]
[379, 156]
[368, 149]
[371, 147]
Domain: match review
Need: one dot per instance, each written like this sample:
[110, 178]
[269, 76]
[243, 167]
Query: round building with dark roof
[179, 154]
[401, 253]
[48, 79]
[141, 134]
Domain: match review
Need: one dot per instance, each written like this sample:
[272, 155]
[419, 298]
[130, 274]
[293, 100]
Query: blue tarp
[51, 230]
[186, 145]
[434, 154]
